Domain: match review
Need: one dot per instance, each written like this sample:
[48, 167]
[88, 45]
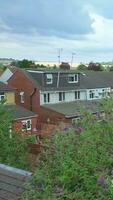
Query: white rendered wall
[69, 97]
[97, 93]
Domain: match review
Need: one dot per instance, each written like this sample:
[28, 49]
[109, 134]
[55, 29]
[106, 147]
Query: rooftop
[73, 109]
[5, 87]
[19, 112]
[12, 182]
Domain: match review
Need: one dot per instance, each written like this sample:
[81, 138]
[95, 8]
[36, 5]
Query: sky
[40, 29]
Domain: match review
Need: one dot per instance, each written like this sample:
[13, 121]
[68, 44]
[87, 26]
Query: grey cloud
[58, 18]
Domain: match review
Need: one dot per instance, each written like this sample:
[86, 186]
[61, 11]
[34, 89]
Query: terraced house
[23, 119]
[58, 95]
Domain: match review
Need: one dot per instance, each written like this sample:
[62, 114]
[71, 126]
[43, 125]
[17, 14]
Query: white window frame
[49, 78]
[76, 120]
[24, 122]
[75, 78]
[78, 94]
[91, 92]
[2, 96]
[22, 97]
[47, 97]
[62, 96]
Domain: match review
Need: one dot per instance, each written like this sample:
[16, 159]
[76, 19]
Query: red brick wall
[23, 84]
[47, 115]
[17, 125]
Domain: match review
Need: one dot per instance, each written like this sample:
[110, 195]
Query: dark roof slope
[12, 182]
[96, 79]
[5, 87]
[38, 77]
[19, 112]
[71, 109]
[88, 79]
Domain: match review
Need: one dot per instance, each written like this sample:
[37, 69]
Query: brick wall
[17, 125]
[23, 84]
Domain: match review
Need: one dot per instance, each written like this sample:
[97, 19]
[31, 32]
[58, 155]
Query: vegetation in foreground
[79, 164]
[13, 148]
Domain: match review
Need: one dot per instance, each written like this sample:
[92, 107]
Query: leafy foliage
[82, 67]
[95, 66]
[78, 165]
[23, 63]
[13, 148]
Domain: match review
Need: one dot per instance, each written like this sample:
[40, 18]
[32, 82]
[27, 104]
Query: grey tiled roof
[4, 87]
[19, 112]
[12, 182]
[96, 79]
[72, 109]
[87, 79]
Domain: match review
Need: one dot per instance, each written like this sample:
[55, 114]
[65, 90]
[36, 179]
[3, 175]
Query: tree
[95, 66]
[24, 63]
[82, 67]
[78, 165]
[13, 148]
[64, 65]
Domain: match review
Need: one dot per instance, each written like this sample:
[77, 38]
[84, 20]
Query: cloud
[58, 18]
[101, 7]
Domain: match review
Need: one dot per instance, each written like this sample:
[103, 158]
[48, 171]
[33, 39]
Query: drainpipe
[31, 95]
[58, 79]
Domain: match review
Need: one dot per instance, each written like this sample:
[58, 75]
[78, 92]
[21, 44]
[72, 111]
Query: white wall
[6, 75]
[97, 93]
[69, 96]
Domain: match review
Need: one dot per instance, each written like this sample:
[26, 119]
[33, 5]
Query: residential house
[12, 182]
[23, 119]
[42, 91]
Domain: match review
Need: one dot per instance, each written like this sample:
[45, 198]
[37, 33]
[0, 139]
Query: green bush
[78, 165]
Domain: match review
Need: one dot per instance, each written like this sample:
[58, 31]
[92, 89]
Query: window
[22, 97]
[2, 96]
[61, 96]
[26, 125]
[77, 94]
[46, 97]
[104, 93]
[49, 78]
[72, 78]
[91, 94]
[76, 120]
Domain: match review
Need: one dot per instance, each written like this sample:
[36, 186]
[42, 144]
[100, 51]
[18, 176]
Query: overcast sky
[37, 29]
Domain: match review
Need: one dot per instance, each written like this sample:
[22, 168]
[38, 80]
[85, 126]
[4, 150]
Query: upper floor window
[46, 97]
[26, 125]
[73, 78]
[49, 78]
[91, 94]
[2, 97]
[22, 97]
[61, 96]
[77, 94]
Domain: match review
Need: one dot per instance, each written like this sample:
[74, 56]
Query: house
[41, 90]
[23, 119]
[12, 182]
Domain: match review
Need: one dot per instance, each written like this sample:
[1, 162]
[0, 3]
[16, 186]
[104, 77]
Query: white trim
[22, 97]
[39, 72]
[50, 78]
[24, 122]
[73, 75]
